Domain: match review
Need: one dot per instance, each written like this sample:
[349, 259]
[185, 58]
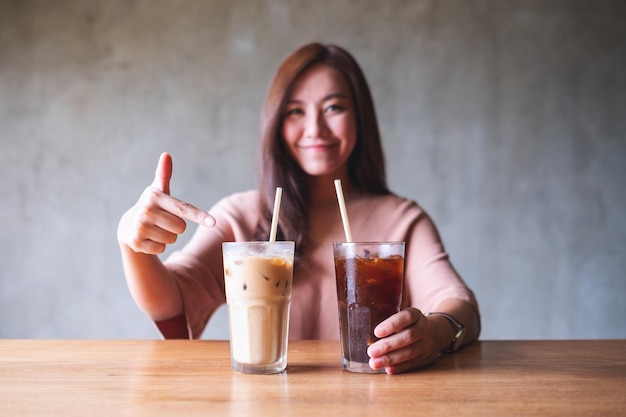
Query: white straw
[279, 193]
[344, 212]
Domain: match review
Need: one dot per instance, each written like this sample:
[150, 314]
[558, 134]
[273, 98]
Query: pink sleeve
[430, 277]
[201, 286]
[198, 268]
[174, 328]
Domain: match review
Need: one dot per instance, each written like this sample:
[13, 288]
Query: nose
[315, 125]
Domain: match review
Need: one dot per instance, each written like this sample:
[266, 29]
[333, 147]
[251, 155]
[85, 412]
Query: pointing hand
[157, 218]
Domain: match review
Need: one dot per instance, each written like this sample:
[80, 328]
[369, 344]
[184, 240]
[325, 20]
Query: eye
[334, 108]
[294, 111]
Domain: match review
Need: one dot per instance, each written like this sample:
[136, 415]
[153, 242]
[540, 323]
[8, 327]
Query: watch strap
[459, 330]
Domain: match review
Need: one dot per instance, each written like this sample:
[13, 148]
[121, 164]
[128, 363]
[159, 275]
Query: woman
[318, 124]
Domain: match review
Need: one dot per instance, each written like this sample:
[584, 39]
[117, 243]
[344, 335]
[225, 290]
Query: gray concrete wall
[505, 119]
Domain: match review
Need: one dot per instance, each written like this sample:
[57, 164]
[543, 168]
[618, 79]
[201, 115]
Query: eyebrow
[326, 98]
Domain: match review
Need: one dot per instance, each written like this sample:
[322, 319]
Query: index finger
[187, 211]
[397, 322]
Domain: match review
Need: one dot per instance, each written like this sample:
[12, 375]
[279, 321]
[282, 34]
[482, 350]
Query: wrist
[442, 331]
[450, 332]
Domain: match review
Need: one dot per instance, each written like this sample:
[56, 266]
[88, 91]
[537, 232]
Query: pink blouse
[430, 278]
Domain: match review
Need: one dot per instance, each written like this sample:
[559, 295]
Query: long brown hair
[366, 164]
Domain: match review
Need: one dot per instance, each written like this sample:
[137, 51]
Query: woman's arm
[150, 284]
[409, 339]
[143, 232]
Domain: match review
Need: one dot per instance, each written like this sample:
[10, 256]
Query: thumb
[163, 173]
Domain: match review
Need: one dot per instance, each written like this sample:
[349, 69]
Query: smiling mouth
[318, 146]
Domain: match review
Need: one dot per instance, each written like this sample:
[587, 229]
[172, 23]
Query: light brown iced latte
[258, 278]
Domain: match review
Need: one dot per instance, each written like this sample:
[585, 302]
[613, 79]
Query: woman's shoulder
[240, 199]
[391, 204]
[385, 217]
[242, 203]
[236, 215]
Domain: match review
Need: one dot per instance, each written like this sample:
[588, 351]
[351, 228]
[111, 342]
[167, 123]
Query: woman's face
[319, 125]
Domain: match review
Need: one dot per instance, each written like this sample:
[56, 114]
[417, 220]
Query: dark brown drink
[369, 290]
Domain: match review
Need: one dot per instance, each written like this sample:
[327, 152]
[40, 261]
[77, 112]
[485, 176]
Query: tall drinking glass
[369, 278]
[258, 278]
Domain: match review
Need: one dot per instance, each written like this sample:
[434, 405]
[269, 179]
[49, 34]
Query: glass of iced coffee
[369, 290]
[258, 278]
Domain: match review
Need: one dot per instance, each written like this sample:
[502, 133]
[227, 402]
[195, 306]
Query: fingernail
[209, 221]
[373, 351]
[375, 363]
[380, 331]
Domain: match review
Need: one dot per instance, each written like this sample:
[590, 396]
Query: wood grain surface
[189, 378]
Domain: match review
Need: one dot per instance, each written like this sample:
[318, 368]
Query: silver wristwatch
[459, 331]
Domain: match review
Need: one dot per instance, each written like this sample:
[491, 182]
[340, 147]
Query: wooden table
[187, 378]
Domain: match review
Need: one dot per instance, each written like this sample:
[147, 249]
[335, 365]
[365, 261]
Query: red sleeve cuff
[174, 328]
